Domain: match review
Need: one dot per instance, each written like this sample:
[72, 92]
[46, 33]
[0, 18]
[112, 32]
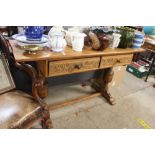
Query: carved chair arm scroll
[37, 80]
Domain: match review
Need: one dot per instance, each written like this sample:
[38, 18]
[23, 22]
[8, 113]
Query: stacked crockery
[31, 39]
[138, 40]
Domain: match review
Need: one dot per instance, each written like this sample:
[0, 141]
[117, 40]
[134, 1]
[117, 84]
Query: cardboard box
[119, 74]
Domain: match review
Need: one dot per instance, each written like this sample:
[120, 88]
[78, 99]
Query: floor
[135, 108]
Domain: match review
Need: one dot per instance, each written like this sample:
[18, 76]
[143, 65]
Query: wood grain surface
[73, 66]
[150, 45]
[22, 56]
[117, 60]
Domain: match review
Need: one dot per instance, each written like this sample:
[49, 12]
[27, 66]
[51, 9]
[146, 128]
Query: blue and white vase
[34, 33]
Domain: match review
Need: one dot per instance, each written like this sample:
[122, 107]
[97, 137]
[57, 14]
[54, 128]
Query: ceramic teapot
[55, 29]
[77, 40]
[57, 41]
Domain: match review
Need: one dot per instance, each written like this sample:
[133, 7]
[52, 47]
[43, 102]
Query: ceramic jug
[116, 40]
[77, 40]
[57, 41]
[69, 34]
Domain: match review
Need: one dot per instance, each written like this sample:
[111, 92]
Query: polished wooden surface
[22, 56]
[149, 44]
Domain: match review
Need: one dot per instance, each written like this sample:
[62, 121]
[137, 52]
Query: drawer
[73, 66]
[118, 60]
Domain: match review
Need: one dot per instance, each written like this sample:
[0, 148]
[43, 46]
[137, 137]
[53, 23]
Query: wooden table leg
[101, 84]
[106, 79]
[43, 89]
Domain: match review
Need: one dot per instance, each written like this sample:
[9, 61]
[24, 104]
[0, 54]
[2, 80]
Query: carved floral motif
[73, 66]
[115, 60]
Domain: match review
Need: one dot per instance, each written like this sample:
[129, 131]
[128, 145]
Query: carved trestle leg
[43, 88]
[106, 79]
[101, 84]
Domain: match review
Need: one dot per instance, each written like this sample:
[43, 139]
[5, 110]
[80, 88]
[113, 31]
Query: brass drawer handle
[78, 66]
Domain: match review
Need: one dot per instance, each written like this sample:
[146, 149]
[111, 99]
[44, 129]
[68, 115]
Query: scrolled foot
[109, 98]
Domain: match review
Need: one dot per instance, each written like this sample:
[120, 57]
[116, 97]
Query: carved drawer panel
[73, 66]
[118, 60]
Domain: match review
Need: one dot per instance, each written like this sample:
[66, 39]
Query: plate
[22, 38]
[21, 44]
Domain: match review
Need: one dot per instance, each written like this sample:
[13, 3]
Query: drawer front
[73, 66]
[118, 60]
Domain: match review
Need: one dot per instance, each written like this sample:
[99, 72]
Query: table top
[149, 44]
[22, 56]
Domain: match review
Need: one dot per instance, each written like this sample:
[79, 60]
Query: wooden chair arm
[37, 80]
